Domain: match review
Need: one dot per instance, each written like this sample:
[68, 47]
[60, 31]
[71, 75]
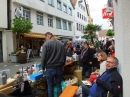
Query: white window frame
[58, 26]
[70, 11]
[25, 12]
[50, 2]
[64, 21]
[50, 21]
[69, 26]
[39, 18]
[59, 5]
[65, 7]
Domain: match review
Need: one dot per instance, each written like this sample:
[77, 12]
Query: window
[59, 4]
[58, 23]
[69, 26]
[70, 11]
[26, 14]
[81, 28]
[42, 0]
[51, 2]
[77, 14]
[82, 17]
[39, 18]
[77, 26]
[65, 8]
[64, 25]
[50, 21]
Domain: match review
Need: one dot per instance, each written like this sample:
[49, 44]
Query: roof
[102, 33]
[74, 2]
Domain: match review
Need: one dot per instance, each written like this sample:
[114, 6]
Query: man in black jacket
[110, 81]
[108, 43]
[53, 59]
[86, 59]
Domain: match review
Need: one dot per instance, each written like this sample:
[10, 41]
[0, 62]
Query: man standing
[108, 43]
[110, 81]
[53, 59]
[86, 59]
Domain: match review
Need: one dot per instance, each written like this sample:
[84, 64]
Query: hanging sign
[106, 15]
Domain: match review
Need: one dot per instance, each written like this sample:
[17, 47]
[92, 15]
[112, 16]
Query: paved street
[14, 67]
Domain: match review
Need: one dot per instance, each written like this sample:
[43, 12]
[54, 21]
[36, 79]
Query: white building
[122, 40]
[5, 34]
[56, 16]
[80, 18]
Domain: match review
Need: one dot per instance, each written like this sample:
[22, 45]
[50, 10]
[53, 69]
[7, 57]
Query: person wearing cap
[53, 59]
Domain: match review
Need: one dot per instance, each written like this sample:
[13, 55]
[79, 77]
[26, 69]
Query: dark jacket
[111, 82]
[53, 54]
[88, 56]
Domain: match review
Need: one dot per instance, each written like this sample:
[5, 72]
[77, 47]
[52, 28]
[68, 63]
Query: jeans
[85, 91]
[51, 74]
[86, 67]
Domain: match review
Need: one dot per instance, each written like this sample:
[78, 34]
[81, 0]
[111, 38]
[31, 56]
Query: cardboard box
[78, 74]
[7, 90]
[69, 69]
[73, 78]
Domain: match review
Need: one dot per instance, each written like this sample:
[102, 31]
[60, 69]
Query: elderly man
[110, 81]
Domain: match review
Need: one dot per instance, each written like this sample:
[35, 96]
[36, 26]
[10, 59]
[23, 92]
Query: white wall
[37, 5]
[122, 42]
[7, 41]
[3, 13]
[78, 20]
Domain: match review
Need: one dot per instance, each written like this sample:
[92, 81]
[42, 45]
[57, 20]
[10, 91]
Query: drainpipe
[9, 14]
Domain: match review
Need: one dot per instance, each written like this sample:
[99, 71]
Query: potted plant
[14, 56]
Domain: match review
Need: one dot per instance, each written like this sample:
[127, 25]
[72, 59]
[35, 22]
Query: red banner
[106, 15]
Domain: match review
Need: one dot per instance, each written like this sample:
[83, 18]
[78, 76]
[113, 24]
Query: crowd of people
[106, 79]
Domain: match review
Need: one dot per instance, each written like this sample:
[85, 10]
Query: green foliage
[16, 53]
[22, 26]
[110, 33]
[90, 29]
[12, 52]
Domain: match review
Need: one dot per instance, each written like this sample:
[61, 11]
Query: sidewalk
[14, 67]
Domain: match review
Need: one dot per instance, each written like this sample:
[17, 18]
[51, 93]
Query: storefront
[34, 39]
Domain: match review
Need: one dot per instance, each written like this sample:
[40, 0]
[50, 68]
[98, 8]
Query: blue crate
[36, 76]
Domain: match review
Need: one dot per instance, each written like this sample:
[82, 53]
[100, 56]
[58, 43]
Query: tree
[21, 26]
[110, 33]
[90, 30]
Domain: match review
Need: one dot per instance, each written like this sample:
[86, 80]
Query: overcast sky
[96, 7]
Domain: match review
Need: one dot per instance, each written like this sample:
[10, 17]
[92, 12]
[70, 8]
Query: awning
[37, 35]
[34, 35]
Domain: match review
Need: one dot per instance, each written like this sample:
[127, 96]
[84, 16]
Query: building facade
[122, 40]
[54, 16]
[5, 33]
[90, 19]
[80, 18]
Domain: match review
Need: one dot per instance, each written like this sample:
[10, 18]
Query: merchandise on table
[70, 80]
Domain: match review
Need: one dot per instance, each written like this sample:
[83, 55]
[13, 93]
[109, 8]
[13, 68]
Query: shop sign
[106, 15]
[19, 12]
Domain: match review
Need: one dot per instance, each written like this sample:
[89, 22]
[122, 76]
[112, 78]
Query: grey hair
[115, 59]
